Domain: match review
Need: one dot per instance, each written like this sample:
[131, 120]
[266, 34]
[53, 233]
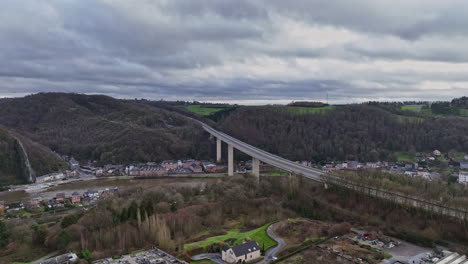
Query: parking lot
[151, 256]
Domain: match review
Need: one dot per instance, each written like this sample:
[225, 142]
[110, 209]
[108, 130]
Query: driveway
[270, 253]
[215, 257]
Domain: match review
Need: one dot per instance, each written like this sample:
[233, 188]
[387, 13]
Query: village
[429, 166]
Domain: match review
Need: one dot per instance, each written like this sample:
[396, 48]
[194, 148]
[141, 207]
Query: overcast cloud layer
[240, 50]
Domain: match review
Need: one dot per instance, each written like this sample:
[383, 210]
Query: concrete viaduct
[257, 156]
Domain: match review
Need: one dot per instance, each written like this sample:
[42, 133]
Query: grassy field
[405, 157]
[415, 108]
[310, 110]
[204, 111]
[463, 112]
[276, 173]
[260, 235]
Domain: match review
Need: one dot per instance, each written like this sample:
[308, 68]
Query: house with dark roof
[249, 251]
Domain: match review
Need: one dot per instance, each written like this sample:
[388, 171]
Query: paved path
[215, 257]
[269, 254]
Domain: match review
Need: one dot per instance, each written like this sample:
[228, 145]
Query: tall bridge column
[218, 149]
[255, 167]
[230, 160]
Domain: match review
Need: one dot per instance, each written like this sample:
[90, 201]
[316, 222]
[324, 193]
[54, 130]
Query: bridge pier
[218, 149]
[255, 167]
[230, 160]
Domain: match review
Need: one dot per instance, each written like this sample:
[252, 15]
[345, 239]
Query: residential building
[169, 164]
[76, 198]
[93, 194]
[209, 166]
[15, 206]
[60, 197]
[147, 170]
[109, 192]
[74, 164]
[50, 177]
[188, 163]
[247, 252]
[34, 203]
[180, 171]
[423, 174]
[195, 168]
[114, 169]
[436, 152]
[463, 177]
[352, 164]
[464, 165]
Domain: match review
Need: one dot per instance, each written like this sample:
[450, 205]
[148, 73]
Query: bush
[69, 220]
[339, 229]
[85, 254]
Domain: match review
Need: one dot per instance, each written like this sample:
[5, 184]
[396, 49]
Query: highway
[274, 160]
[318, 175]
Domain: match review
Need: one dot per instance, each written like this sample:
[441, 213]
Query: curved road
[269, 254]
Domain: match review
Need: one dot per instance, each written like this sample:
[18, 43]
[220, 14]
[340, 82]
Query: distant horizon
[251, 102]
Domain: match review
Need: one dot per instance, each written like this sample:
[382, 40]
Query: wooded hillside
[101, 128]
[363, 132]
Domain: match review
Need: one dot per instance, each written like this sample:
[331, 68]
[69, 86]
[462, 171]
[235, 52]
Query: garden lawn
[405, 157]
[260, 235]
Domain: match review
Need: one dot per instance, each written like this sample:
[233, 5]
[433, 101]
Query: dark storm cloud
[235, 50]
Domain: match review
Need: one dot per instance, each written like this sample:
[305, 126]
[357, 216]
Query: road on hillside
[270, 253]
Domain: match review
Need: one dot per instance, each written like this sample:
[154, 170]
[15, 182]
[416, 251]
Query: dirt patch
[341, 250]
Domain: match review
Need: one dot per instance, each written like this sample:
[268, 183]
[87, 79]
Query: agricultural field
[237, 236]
[416, 108]
[309, 110]
[463, 112]
[206, 110]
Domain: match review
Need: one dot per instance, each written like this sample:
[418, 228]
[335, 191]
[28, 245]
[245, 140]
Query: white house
[463, 177]
[249, 251]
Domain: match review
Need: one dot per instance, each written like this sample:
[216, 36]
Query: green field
[260, 235]
[309, 110]
[276, 173]
[463, 112]
[405, 157]
[416, 108]
[203, 110]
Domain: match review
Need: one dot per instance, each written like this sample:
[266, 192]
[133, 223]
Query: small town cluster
[59, 201]
[424, 167]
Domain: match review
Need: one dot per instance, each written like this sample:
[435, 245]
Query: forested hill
[13, 151]
[363, 132]
[104, 129]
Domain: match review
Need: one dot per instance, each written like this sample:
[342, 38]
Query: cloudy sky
[262, 51]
